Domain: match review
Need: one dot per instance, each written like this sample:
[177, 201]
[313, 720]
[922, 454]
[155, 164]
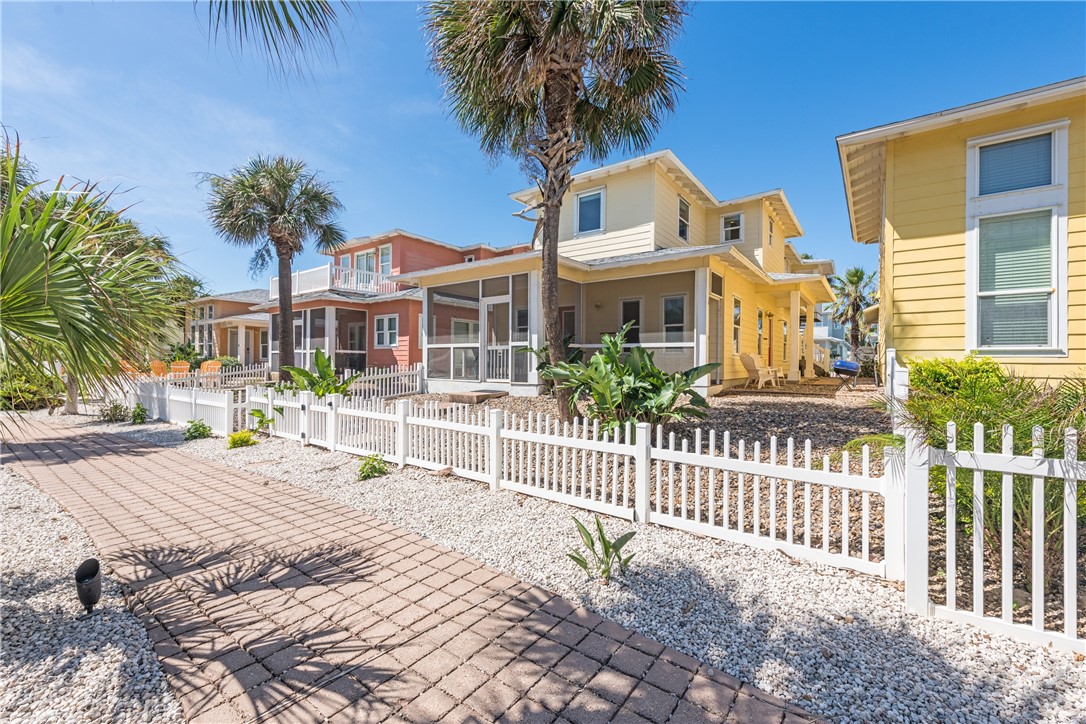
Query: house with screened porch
[701, 280]
[353, 307]
[980, 216]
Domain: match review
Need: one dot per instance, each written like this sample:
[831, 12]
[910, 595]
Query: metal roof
[252, 296]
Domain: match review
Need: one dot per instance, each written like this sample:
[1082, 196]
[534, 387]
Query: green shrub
[197, 430]
[977, 389]
[324, 381]
[372, 466]
[17, 392]
[241, 438]
[139, 414]
[113, 412]
[228, 361]
[627, 386]
[603, 562]
[263, 421]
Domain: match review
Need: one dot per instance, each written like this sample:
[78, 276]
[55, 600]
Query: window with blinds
[1019, 164]
[1015, 280]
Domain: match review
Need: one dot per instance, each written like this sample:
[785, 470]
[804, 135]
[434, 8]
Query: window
[588, 212]
[569, 323]
[356, 336]
[465, 331]
[420, 331]
[1016, 241]
[468, 258]
[386, 330]
[731, 228]
[384, 255]
[784, 341]
[366, 261]
[520, 326]
[737, 323]
[263, 345]
[761, 322]
[684, 219]
[631, 312]
[716, 287]
[674, 318]
[771, 232]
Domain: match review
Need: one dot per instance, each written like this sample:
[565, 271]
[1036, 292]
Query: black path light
[88, 583]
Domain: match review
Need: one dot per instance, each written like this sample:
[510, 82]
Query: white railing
[498, 363]
[384, 382]
[223, 410]
[237, 376]
[1043, 492]
[822, 357]
[330, 276]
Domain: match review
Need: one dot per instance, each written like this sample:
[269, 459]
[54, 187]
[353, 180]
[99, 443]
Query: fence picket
[1037, 505]
[951, 518]
[1070, 535]
[978, 527]
[1007, 533]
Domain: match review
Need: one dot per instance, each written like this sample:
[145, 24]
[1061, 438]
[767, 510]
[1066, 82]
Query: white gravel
[53, 666]
[833, 642]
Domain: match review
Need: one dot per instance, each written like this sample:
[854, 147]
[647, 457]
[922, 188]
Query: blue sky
[136, 96]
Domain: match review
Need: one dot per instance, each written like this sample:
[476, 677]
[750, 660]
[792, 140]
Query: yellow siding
[667, 214]
[923, 288]
[628, 217]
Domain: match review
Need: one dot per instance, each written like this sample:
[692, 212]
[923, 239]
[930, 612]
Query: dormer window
[771, 232]
[468, 258]
[731, 228]
[588, 212]
[684, 219]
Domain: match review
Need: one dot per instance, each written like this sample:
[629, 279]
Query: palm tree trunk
[552, 319]
[286, 316]
[854, 332]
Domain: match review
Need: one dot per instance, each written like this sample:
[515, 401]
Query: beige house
[224, 324]
[702, 280]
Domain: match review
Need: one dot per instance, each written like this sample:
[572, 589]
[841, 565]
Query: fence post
[642, 454]
[229, 411]
[893, 530]
[306, 399]
[402, 408]
[192, 398]
[334, 401]
[917, 463]
[495, 449]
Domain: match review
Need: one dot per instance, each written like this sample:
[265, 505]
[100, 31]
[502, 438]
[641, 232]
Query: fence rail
[237, 376]
[223, 410]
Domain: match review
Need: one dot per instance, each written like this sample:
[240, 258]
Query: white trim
[469, 258]
[742, 224]
[679, 218]
[381, 249]
[377, 319]
[1052, 197]
[737, 339]
[602, 191]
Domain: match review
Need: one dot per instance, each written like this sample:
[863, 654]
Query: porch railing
[329, 276]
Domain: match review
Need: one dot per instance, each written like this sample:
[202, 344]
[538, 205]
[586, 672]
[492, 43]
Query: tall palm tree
[275, 204]
[853, 291]
[79, 285]
[550, 82]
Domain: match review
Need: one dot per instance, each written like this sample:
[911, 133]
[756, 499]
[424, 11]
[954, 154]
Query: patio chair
[757, 372]
[179, 368]
[211, 365]
[128, 368]
[159, 368]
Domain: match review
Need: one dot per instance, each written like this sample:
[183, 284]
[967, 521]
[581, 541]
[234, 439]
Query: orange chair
[180, 368]
[211, 365]
[128, 368]
[159, 368]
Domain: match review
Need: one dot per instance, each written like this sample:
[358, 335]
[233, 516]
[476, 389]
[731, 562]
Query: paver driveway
[269, 602]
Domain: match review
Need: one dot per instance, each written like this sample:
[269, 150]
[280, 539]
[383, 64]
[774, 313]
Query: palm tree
[853, 291]
[79, 285]
[550, 82]
[275, 204]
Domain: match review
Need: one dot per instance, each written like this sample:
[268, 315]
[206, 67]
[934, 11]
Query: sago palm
[551, 82]
[79, 286]
[275, 204]
[853, 291]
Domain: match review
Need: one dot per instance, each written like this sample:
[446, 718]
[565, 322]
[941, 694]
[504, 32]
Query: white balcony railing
[330, 276]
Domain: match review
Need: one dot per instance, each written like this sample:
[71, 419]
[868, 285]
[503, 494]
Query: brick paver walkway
[269, 602]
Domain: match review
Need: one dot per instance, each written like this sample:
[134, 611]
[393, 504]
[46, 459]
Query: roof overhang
[862, 154]
[358, 240]
[871, 314]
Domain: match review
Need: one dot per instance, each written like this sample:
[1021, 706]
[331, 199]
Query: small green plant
[602, 562]
[21, 392]
[139, 414]
[324, 381]
[241, 438]
[197, 430]
[263, 420]
[113, 412]
[228, 361]
[372, 466]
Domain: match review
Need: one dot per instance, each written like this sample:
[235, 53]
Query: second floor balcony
[330, 277]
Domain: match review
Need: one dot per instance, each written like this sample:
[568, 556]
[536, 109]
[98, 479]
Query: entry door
[248, 347]
[232, 342]
[497, 352]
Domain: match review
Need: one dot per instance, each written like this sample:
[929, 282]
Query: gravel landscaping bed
[833, 642]
[53, 666]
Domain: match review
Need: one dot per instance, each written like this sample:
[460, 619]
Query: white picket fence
[223, 410]
[1048, 488]
[237, 376]
[388, 381]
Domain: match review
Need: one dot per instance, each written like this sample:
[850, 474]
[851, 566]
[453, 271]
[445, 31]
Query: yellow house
[702, 280]
[980, 214]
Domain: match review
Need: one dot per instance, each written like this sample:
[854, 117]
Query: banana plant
[602, 562]
[264, 420]
[324, 380]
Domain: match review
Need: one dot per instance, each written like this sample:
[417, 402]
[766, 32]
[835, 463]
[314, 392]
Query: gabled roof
[251, 296]
[863, 153]
[686, 180]
[336, 295]
[400, 232]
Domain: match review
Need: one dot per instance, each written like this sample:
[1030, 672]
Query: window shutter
[1016, 251]
[1019, 164]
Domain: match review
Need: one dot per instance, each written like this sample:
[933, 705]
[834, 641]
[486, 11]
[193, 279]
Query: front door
[497, 349]
[232, 342]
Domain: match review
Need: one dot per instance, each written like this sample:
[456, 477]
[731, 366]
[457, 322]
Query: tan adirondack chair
[757, 372]
[179, 368]
[211, 365]
[159, 368]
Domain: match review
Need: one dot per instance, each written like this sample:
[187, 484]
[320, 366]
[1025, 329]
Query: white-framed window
[674, 314]
[468, 258]
[384, 260]
[630, 311]
[211, 311]
[386, 330]
[366, 260]
[737, 324]
[1016, 241]
[731, 228]
[761, 330]
[465, 331]
[784, 341]
[772, 229]
[588, 212]
[684, 219]
[356, 336]
[263, 345]
[716, 284]
[569, 323]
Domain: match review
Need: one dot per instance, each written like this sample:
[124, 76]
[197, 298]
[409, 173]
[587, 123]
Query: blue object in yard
[847, 371]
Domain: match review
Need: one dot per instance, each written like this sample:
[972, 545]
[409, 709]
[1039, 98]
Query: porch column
[243, 351]
[330, 333]
[536, 328]
[701, 326]
[794, 350]
[808, 343]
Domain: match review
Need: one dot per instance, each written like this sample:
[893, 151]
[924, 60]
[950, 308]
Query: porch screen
[452, 338]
